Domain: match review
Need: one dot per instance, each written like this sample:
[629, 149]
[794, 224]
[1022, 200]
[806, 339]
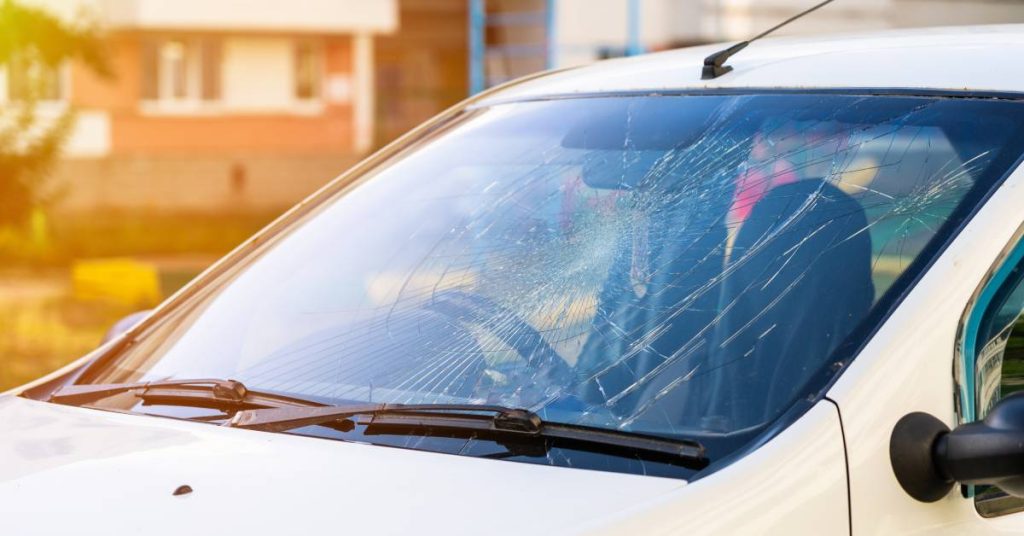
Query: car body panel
[96, 472]
[794, 484]
[973, 58]
[66, 466]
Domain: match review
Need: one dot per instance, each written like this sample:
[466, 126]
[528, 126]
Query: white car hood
[77, 471]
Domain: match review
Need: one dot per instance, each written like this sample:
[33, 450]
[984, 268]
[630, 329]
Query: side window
[994, 344]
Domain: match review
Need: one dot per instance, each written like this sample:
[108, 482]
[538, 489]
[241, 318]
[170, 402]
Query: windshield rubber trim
[730, 91]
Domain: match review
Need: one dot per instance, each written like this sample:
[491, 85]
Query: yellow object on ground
[121, 280]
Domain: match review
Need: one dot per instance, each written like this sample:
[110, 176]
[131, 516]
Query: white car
[618, 299]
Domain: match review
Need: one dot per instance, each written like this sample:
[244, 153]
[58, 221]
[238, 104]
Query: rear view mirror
[929, 459]
[621, 144]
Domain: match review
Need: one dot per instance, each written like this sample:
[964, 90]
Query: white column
[363, 103]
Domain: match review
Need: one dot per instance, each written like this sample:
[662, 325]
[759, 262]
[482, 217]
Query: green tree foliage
[33, 45]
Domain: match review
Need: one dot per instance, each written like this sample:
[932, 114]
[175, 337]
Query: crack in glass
[679, 266]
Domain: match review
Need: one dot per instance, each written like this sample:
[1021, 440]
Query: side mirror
[929, 459]
[124, 325]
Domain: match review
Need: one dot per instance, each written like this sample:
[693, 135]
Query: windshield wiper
[277, 413]
[213, 393]
[491, 421]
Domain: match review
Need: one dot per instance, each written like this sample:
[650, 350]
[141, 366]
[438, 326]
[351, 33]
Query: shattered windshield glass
[683, 266]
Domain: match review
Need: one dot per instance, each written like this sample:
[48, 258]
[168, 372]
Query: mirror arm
[975, 453]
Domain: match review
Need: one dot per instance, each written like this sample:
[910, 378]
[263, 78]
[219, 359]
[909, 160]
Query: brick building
[252, 104]
[223, 103]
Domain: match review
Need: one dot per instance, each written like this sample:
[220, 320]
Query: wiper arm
[197, 392]
[495, 421]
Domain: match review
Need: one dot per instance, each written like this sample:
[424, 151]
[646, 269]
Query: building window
[173, 65]
[181, 70]
[307, 64]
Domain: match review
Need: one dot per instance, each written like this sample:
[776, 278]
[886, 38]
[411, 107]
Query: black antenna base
[713, 71]
[714, 65]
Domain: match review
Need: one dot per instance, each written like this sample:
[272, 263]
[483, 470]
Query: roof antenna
[713, 64]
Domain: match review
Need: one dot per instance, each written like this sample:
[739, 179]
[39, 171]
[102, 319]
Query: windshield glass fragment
[682, 267]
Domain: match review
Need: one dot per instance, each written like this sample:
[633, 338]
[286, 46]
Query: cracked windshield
[681, 266]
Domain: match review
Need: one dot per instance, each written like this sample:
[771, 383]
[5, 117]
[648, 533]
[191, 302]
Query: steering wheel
[507, 326]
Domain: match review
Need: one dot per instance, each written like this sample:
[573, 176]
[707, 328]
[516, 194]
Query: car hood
[67, 469]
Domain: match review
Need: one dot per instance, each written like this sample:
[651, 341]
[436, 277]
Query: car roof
[965, 58]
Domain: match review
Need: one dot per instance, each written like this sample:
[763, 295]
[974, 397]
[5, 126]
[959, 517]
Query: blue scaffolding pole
[477, 28]
[552, 38]
[633, 45]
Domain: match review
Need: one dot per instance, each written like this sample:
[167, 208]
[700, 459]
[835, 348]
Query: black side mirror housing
[929, 459]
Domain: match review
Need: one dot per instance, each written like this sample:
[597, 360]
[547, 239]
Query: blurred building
[218, 104]
[423, 67]
[738, 19]
[509, 38]
[251, 104]
[448, 48]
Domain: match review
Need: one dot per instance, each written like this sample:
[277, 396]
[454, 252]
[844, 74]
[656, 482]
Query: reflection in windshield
[667, 265]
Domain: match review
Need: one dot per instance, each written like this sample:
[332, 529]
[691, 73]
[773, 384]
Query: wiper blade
[197, 392]
[493, 421]
[282, 419]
